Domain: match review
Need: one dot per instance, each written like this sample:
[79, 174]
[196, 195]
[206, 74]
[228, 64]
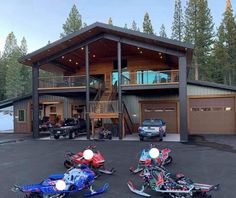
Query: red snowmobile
[97, 163]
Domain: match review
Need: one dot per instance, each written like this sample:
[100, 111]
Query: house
[123, 76]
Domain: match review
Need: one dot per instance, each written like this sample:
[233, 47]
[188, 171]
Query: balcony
[67, 83]
[150, 79]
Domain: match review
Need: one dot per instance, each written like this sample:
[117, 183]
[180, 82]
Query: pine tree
[26, 72]
[10, 45]
[73, 22]
[147, 25]
[134, 26]
[126, 26]
[178, 23]
[199, 30]
[2, 79]
[229, 25]
[163, 31]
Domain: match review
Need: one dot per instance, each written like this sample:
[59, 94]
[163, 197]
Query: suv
[72, 127]
[152, 128]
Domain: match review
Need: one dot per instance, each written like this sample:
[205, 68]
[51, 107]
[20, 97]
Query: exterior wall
[193, 90]
[132, 103]
[22, 127]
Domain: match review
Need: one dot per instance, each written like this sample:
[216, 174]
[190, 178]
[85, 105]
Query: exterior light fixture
[94, 56]
[29, 59]
[82, 48]
[76, 63]
[134, 115]
[138, 48]
[160, 53]
[70, 60]
[141, 52]
[63, 57]
[161, 57]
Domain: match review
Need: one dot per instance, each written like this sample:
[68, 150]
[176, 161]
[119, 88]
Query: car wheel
[56, 136]
[71, 135]
[141, 138]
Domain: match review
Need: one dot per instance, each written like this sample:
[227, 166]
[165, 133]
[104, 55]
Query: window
[21, 115]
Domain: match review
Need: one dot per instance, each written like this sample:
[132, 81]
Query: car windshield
[152, 122]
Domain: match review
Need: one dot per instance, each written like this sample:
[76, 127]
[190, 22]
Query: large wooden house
[124, 76]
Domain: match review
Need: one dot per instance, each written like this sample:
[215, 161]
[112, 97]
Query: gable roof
[98, 29]
[9, 102]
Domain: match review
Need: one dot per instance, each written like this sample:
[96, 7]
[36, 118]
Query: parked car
[71, 127]
[152, 128]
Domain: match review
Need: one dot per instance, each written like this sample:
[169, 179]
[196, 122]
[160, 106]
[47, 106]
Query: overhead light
[29, 59]
[70, 60]
[161, 57]
[138, 48]
[160, 53]
[76, 63]
[82, 48]
[63, 57]
[141, 52]
[94, 56]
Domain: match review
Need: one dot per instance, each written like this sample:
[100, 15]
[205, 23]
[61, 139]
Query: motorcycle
[62, 185]
[145, 159]
[97, 163]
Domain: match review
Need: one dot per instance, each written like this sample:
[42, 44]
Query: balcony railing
[67, 82]
[150, 77]
[104, 106]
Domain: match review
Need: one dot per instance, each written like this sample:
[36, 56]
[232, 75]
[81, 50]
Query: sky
[41, 20]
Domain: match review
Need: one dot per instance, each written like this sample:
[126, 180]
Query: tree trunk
[196, 72]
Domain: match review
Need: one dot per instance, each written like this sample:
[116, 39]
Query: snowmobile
[97, 163]
[145, 159]
[158, 179]
[62, 185]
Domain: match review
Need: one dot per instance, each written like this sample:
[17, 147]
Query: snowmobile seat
[56, 176]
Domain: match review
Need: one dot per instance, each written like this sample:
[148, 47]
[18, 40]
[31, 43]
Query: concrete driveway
[30, 161]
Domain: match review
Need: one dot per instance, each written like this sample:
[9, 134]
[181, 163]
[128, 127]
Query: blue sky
[41, 20]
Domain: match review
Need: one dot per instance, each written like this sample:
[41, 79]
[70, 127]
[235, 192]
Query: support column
[35, 100]
[183, 99]
[120, 109]
[87, 91]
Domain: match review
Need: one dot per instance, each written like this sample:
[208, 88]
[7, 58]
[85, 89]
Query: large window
[152, 77]
[21, 115]
[124, 77]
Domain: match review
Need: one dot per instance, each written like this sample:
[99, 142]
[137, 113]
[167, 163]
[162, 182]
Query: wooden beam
[144, 45]
[64, 67]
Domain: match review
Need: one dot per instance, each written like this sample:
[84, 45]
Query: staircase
[129, 127]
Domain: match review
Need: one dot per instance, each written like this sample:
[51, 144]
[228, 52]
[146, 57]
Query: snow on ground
[6, 120]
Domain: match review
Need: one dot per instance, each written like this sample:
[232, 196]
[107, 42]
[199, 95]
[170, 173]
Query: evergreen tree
[10, 45]
[126, 26]
[73, 22]
[163, 31]
[26, 72]
[110, 21]
[229, 25]
[2, 79]
[199, 30]
[147, 25]
[178, 23]
[134, 26]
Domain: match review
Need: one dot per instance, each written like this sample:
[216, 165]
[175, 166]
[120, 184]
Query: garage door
[165, 111]
[212, 116]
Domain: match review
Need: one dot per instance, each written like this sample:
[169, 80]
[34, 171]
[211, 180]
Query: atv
[97, 163]
[145, 159]
[62, 185]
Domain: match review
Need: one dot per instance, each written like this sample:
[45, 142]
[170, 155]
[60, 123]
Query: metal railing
[68, 81]
[150, 77]
[104, 106]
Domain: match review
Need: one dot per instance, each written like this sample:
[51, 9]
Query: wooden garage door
[165, 111]
[212, 116]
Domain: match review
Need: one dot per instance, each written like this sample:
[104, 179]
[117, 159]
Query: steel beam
[35, 100]
[144, 45]
[87, 91]
[183, 99]
[120, 128]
